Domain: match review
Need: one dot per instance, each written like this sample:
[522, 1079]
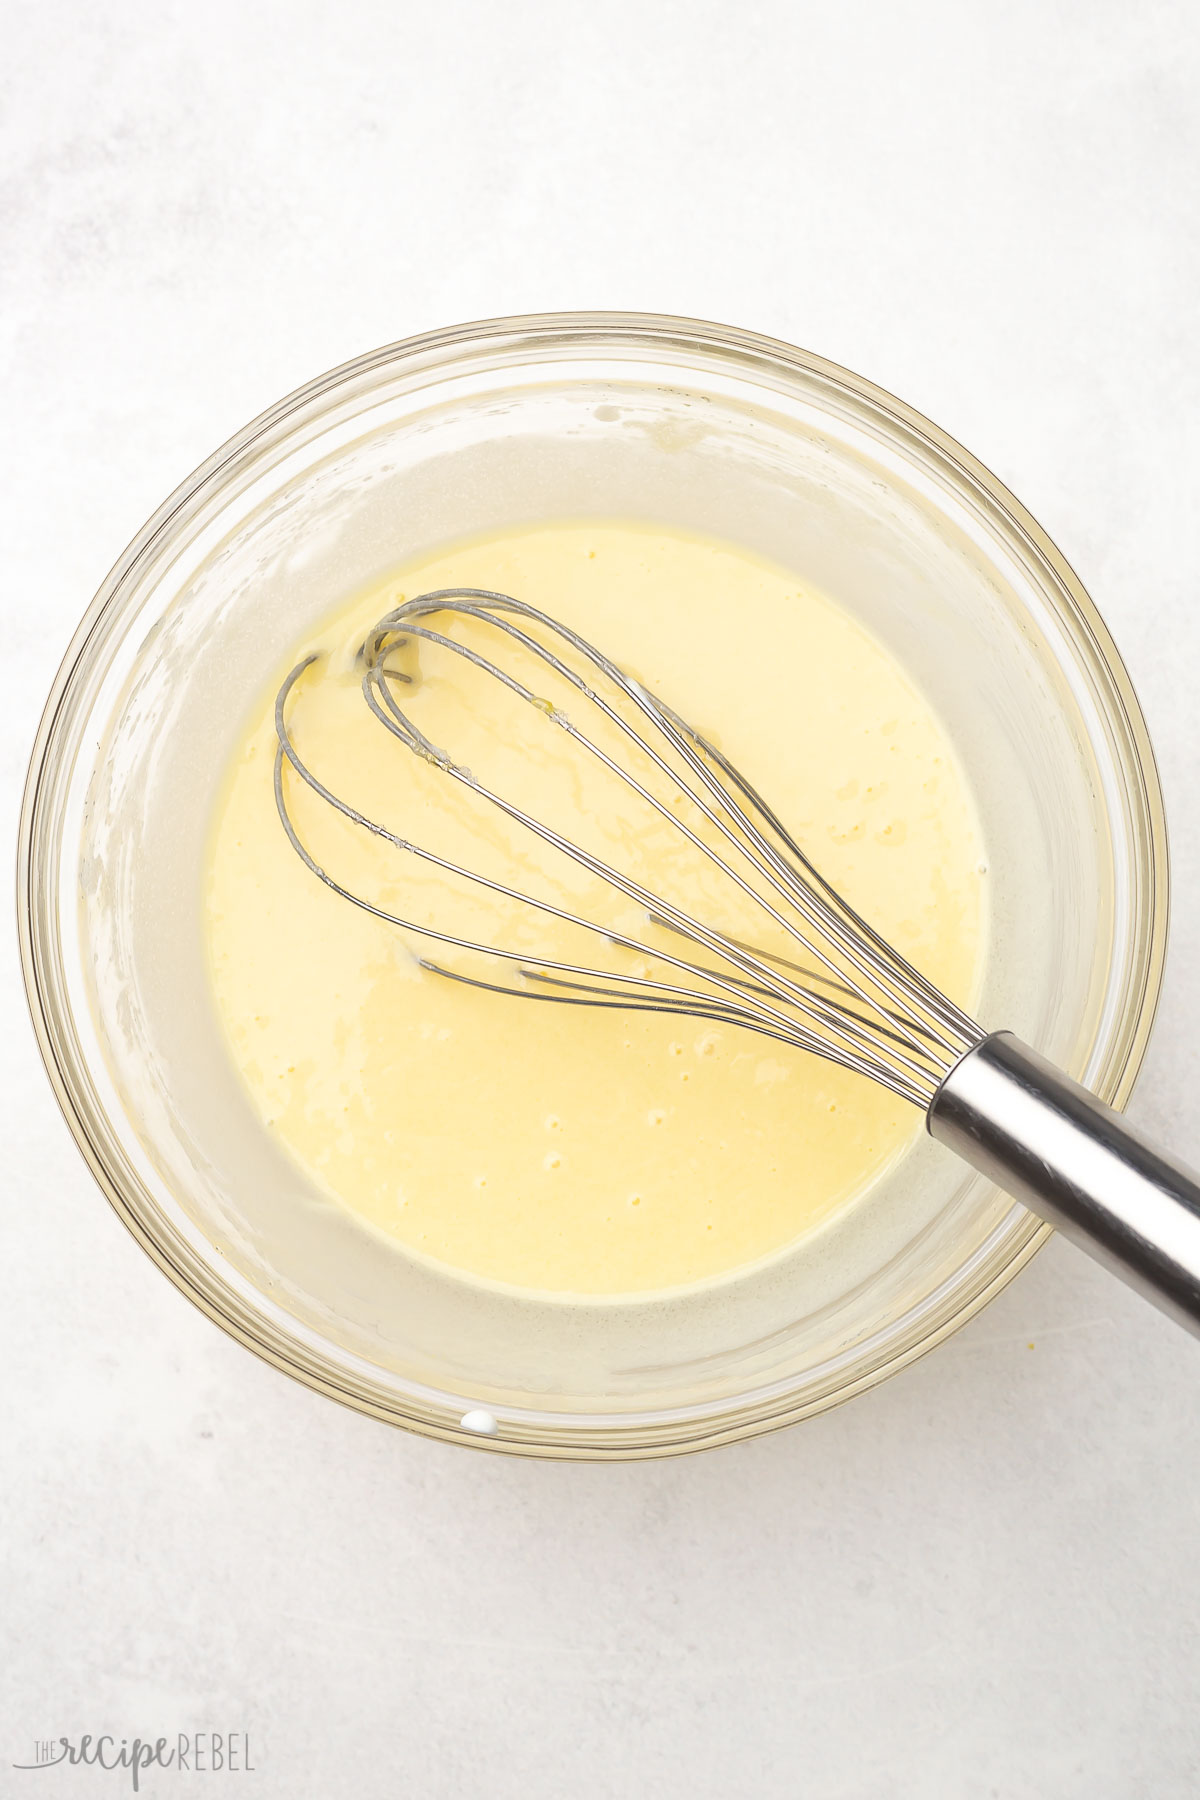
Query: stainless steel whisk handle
[1076, 1163]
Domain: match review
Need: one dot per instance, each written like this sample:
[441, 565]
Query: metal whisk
[830, 985]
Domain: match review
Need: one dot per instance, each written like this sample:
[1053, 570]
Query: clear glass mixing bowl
[494, 424]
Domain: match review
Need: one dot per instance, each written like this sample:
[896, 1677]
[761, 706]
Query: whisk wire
[900, 1030]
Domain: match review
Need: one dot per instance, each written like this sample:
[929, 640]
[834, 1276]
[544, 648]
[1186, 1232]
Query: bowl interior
[421, 445]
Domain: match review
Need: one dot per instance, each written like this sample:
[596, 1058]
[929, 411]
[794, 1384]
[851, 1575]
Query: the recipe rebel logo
[187, 1753]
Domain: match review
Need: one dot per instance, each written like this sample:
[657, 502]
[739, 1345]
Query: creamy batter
[555, 1148]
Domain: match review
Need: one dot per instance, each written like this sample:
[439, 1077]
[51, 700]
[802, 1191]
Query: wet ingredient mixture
[555, 1148]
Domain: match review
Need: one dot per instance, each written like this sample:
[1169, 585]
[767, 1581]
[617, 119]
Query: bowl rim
[556, 328]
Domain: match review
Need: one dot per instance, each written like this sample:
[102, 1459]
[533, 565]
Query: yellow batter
[558, 1148]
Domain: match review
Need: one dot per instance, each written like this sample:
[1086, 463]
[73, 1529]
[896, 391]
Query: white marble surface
[981, 1579]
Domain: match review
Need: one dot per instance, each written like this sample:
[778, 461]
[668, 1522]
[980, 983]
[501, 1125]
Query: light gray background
[980, 1580]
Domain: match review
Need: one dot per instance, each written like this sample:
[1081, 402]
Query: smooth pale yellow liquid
[560, 1148]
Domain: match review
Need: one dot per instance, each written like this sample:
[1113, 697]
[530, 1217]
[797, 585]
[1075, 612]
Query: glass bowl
[488, 425]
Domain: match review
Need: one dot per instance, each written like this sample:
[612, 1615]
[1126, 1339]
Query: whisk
[828, 984]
